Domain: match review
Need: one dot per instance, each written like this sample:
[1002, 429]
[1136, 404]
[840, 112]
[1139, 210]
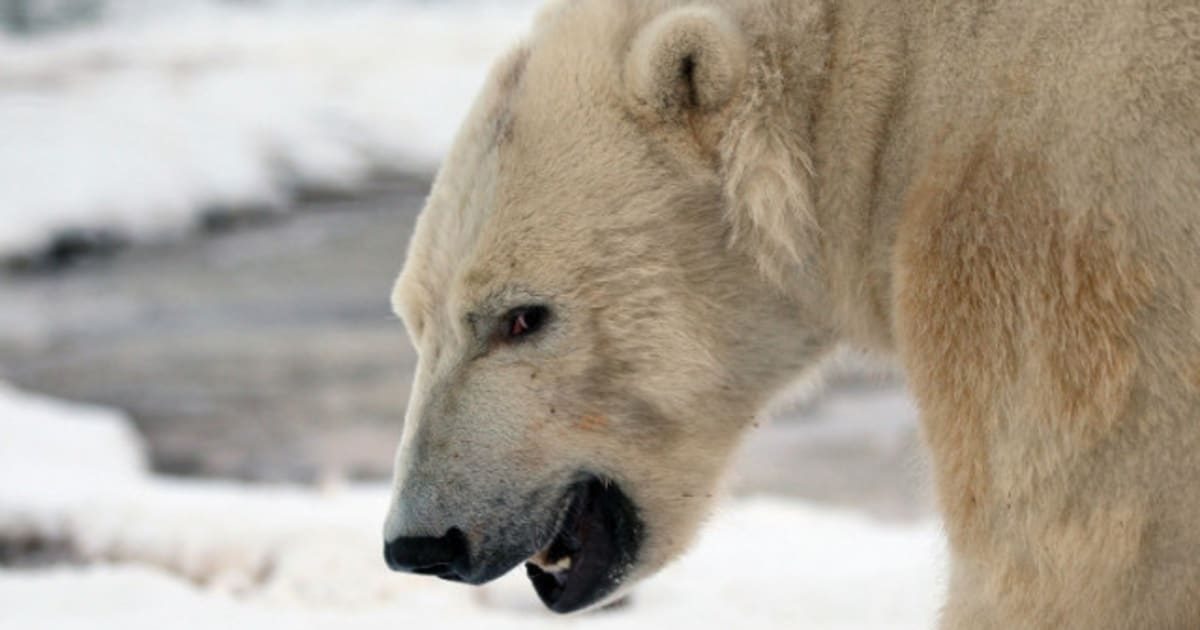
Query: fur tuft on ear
[768, 192]
[766, 168]
[687, 58]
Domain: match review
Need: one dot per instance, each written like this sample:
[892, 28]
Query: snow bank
[56, 459]
[191, 554]
[139, 125]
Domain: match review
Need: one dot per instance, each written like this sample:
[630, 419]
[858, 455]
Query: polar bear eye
[525, 320]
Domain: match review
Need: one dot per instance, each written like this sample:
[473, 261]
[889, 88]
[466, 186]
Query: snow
[154, 117]
[156, 552]
[46, 449]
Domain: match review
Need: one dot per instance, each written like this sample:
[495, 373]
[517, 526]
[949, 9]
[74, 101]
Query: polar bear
[660, 213]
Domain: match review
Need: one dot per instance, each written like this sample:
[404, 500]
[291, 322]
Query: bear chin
[592, 550]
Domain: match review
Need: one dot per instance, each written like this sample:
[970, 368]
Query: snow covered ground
[168, 110]
[155, 552]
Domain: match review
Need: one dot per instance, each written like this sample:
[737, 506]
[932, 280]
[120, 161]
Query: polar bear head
[615, 270]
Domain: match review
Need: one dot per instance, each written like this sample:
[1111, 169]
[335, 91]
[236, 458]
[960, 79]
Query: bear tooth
[542, 560]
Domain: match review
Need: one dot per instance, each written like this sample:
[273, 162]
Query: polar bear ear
[686, 59]
[697, 60]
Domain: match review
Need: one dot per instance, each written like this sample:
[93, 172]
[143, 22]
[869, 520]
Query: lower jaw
[558, 596]
[601, 535]
[548, 586]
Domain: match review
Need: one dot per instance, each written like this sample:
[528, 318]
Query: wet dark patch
[222, 220]
[507, 88]
[35, 552]
[68, 250]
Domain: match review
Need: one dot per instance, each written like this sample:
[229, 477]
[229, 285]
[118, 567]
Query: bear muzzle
[582, 552]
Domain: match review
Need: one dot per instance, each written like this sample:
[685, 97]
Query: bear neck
[852, 119]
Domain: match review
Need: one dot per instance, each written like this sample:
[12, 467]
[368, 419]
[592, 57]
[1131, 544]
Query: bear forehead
[547, 148]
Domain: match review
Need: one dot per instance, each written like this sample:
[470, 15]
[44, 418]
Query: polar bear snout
[578, 543]
[493, 546]
[445, 556]
[458, 532]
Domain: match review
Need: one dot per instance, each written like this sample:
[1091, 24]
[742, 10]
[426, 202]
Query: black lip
[601, 532]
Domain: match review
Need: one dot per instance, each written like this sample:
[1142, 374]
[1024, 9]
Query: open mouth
[595, 545]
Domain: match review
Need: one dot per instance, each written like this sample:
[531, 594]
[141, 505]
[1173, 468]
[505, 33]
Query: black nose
[445, 557]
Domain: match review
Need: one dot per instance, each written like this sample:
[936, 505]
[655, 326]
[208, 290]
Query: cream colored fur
[709, 196]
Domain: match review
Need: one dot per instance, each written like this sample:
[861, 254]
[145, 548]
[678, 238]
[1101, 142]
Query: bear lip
[594, 547]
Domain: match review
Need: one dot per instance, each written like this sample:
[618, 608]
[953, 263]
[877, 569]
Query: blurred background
[203, 204]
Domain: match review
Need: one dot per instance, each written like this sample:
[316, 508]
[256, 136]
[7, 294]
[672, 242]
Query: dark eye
[525, 320]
